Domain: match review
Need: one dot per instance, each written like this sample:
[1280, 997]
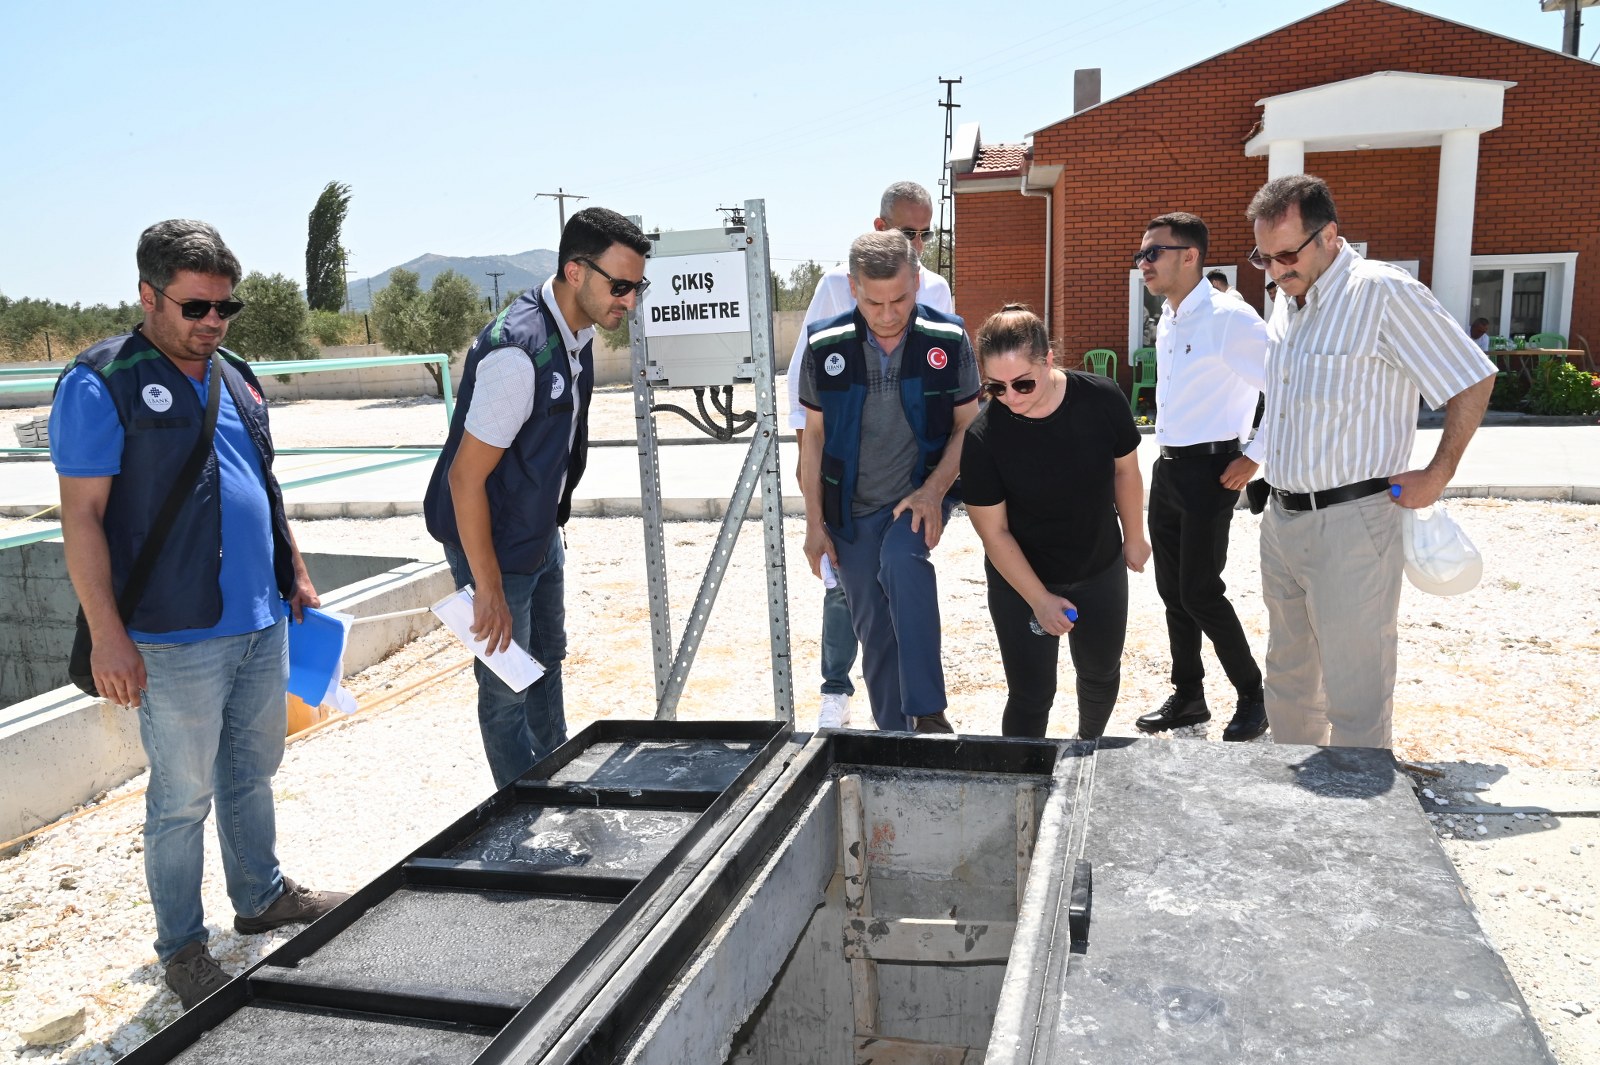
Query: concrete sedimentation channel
[735, 892]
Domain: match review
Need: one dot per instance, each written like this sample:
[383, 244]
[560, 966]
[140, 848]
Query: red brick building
[1054, 223]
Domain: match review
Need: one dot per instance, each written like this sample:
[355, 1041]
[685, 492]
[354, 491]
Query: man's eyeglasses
[619, 287]
[196, 310]
[1023, 387]
[1260, 259]
[1153, 252]
[924, 235]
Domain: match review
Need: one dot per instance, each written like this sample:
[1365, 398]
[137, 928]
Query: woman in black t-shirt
[1052, 484]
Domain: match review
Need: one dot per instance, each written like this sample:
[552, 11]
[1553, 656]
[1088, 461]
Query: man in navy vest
[204, 655]
[905, 206]
[504, 481]
[890, 390]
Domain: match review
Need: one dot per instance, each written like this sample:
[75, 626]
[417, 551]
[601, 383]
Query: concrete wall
[612, 366]
[38, 607]
[60, 748]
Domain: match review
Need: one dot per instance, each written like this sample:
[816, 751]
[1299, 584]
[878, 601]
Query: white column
[1285, 158]
[1452, 223]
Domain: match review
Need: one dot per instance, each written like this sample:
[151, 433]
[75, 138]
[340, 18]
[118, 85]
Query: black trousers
[1030, 660]
[1190, 513]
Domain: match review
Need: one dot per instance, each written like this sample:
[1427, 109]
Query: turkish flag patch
[937, 358]
[254, 393]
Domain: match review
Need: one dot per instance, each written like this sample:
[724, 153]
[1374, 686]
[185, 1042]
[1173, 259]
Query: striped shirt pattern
[1344, 372]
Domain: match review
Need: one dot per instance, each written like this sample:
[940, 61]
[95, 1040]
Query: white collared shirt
[832, 298]
[1211, 353]
[1344, 372]
[574, 343]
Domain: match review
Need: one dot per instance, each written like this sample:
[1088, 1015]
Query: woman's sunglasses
[1023, 386]
[196, 310]
[619, 287]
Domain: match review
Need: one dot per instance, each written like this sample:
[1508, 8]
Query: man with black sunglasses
[1211, 352]
[517, 445]
[203, 652]
[907, 207]
[1350, 346]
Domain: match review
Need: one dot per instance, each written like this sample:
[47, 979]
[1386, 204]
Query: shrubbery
[1561, 388]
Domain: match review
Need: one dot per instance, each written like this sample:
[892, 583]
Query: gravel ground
[1496, 694]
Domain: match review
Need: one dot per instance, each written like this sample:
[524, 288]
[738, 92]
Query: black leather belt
[1215, 447]
[1342, 494]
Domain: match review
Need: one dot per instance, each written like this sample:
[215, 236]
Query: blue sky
[446, 118]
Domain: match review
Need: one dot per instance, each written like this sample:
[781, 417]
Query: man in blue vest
[204, 654]
[504, 481]
[890, 390]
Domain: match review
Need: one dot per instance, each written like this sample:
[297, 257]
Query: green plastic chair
[1143, 363]
[1547, 340]
[1102, 361]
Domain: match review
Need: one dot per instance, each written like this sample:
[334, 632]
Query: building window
[1522, 295]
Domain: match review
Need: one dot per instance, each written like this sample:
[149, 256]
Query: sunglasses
[1260, 259]
[914, 234]
[196, 310]
[1153, 252]
[619, 287]
[1023, 387]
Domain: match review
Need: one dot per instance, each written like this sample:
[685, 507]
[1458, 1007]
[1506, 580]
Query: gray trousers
[1331, 580]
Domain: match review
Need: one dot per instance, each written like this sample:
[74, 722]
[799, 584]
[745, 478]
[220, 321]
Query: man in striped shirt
[1350, 346]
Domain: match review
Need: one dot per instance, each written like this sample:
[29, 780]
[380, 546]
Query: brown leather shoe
[297, 905]
[932, 723]
[193, 974]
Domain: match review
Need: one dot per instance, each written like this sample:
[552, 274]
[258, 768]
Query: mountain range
[519, 272]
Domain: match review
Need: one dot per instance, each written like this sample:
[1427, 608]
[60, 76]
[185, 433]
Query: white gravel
[1495, 685]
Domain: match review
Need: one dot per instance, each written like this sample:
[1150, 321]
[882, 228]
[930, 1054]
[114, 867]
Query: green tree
[275, 321]
[795, 295]
[325, 284]
[930, 255]
[412, 322]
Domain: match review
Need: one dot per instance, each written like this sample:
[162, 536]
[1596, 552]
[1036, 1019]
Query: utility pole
[561, 196]
[1572, 21]
[344, 279]
[947, 256]
[497, 275]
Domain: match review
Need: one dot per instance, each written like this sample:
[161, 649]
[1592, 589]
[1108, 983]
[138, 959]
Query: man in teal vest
[890, 390]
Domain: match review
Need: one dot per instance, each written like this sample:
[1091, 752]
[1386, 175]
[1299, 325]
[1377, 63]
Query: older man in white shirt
[905, 206]
[1211, 353]
[1351, 345]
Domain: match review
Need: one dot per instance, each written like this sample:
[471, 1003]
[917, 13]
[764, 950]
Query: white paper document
[514, 665]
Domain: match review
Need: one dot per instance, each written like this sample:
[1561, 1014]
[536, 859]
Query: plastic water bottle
[1038, 630]
[830, 579]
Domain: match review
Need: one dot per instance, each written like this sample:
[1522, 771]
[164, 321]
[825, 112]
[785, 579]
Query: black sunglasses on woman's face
[1024, 386]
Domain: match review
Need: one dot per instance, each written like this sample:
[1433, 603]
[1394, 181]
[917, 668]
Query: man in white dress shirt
[1211, 352]
[1350, 346]
[905, 206]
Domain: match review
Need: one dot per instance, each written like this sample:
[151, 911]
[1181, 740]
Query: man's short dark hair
[881, 256]
[1217, 275]
[1311, 194]
[593, 230]
[183, 244]
[1187, 227]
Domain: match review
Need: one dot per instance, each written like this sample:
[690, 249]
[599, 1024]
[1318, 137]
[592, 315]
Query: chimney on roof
[1085, 88]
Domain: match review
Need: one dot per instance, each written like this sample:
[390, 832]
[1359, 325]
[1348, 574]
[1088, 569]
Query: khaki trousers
[1331, 580]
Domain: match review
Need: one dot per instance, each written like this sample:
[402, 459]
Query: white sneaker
[835, 712]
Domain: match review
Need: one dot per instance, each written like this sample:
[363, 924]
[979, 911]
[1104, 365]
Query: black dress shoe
[1176, 712]
[1249, 720]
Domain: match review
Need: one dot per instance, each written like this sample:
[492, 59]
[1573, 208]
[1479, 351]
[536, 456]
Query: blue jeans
[519, 728]
[894, 602]
[838, 643]
[212, 718]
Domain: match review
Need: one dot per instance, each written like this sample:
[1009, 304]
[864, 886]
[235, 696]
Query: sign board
[694, 295]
